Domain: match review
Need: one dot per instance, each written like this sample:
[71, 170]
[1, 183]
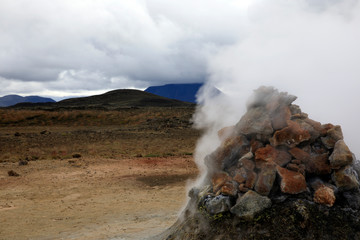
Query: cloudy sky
[80, 47]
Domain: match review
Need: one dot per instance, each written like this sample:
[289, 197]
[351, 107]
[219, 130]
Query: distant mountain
[182, 92]
[122, 98]
[10, 100]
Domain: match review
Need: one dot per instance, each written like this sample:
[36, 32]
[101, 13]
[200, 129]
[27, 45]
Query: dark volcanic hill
[10, 100]
[182, 92]
[122, 98]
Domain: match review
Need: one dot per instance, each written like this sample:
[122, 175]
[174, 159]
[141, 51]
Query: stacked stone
[273, 152]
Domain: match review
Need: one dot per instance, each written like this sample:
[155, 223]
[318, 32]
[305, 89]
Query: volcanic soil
[93, 174]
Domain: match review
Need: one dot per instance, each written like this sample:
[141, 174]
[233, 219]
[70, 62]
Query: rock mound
[276, 175]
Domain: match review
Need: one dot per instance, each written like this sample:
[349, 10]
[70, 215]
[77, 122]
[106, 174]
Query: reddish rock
[255, 145]
[242, 188]
[326, 127]
[324, 195]
[299, 154]
[219, 179]
[240, 175]
[271, 154]
[251, 179]
[312, 127]
[291, 182]
[333, 135]
[246, 163]
[345, 178]
[296, 161]
[265, 179]
[341, 155]
[256, 122]
[296, 168]
[226, 132]
[290, 136]
[318, 164]
[229, 188]
[280, 117]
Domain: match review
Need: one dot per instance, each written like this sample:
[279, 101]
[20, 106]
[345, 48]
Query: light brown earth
[129, 183]
[92, 198]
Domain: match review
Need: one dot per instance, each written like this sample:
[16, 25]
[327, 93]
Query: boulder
[291, 182]
[341, 155]
[248, 205]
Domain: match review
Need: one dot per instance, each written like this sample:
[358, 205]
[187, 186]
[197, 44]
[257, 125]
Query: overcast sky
[65, 48]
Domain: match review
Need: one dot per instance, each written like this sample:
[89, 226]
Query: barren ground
[129, 183]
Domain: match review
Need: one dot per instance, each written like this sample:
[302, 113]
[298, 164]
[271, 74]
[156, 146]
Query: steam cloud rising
[309, 51]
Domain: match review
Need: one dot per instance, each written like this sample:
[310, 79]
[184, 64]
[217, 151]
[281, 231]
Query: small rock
[341, 155]
[265, 179]
[345, 178]
[299, 154]
[219, 179]
[290, 136]
[23, 162]
[217, 204]
[271, 154]
[250, 204]
[333, 135]
[251, 179]
[255, 145]
[229, 188]
[240, 175]
[12, 173]
[76, 155]
[291, 182]
[246, 162]
[324, 195]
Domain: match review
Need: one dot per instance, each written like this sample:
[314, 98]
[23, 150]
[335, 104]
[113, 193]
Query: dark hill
[182, 92]
[122, 98]
[10, 100]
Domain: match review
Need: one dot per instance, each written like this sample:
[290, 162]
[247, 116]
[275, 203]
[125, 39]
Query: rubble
[277, 155]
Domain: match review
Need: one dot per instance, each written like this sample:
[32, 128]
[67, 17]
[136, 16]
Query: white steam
[309, 51]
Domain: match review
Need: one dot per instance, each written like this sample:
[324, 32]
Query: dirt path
[90, 198]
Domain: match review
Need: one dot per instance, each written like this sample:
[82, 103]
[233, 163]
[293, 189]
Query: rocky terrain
[276, 175]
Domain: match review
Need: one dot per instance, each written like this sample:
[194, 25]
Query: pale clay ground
[93, 198]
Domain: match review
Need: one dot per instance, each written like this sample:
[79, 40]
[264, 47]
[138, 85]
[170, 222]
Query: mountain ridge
[12, 99]
[120, 98]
